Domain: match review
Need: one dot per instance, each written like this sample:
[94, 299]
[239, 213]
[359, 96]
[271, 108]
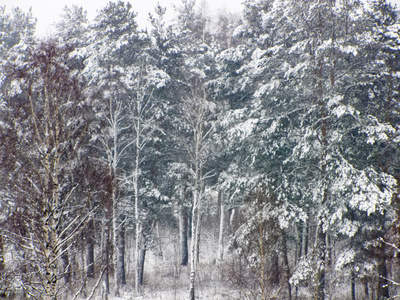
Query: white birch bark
[196, 113]
[221, 231]
[136, 191]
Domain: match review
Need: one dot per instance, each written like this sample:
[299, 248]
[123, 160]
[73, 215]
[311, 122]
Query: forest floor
[165, 278]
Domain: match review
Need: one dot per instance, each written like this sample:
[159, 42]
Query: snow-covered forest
[251, 156]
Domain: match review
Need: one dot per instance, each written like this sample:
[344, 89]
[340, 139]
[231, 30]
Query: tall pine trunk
[321, 255]
[142, 257]
[383, 284]
[286, 264]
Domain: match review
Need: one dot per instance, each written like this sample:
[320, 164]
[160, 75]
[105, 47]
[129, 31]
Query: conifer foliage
[264, 145]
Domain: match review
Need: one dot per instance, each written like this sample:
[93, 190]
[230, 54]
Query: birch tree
[108, 54]
[198, 115]
[47, 115]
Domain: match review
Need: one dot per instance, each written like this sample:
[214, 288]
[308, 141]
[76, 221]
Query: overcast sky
[48, 11]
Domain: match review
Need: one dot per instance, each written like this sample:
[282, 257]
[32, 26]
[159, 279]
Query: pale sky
[48, 11]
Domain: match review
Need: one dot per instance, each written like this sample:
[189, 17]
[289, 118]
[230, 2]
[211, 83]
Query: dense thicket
[272, 137]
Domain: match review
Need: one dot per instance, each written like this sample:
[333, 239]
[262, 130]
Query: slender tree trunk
[353, 283]
[138, 222]
[305, 238]
[198, 235]
[115, 234]
[232, 217]
[142, 257]
[138, 244]
[329, 250]
[183, 232]
[121, 255]
[286, 264]
[106, 260]
[321, 252]
[51, 244]
[221, 228]
[275, 269]
[50, 221]
[299, 241]
[262, 279]
[2, 263]
[194, 243]
[366, 290]
[383, 285]
[90, 250]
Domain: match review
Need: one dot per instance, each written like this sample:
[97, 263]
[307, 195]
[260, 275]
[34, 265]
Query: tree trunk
[142, 257]
[138, 246]
[262, 279]
[275, 270]
[299, 241]
[50, 254]
[221, 230]
[321, 253]
[232, 217]
[383, 286]
[121, 255]
[366, 290]
[115, 234]
[183, 232]
[106, 259]
[286, 264]
[2, 264]
[304, 245]
[138, 222]
[198, 235]
[194, 243]
[90, 250]
[353, 283]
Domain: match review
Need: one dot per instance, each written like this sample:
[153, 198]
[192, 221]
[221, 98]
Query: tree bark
[221, 229]
[2, 264]
[138, 246]
[121, 255]
[286, 264]
[138, 222]
[194, 243]
[353, 283]
[183, 235]
[106, 259]
[90, 250]
[142, 257]
[366, 290]
[305, 238]
[321, 254]
[275, 270]
[383, 285]
[114, 230]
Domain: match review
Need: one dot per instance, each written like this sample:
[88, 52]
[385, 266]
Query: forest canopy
[234, 156]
